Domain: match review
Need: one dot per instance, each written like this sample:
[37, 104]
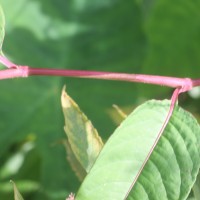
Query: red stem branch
[14, 72]
[24, 71]
[185, 83]
[196, 82]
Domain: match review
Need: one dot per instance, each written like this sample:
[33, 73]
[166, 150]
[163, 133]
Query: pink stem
[25, 71]
[185, 83]
[14, 73]
[172, 105]
[196, 82]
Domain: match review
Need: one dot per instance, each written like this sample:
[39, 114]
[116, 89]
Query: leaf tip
[65, 98]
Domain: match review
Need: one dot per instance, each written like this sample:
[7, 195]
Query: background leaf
[169, 173]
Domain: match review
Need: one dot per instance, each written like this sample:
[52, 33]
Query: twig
[185, 84]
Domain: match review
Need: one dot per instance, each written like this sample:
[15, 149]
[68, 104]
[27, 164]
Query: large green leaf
[169, 173]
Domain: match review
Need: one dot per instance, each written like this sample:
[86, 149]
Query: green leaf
[82, 136]
[2, 27]
[169, 173]
[17, 195]
[75, 164]
[196, 188]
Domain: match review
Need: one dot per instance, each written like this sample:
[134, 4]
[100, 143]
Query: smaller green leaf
[2, 27]
[17, 195]
[82, 136]
[75, 164]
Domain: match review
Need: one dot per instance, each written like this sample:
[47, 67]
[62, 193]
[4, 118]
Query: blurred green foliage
[134, 36]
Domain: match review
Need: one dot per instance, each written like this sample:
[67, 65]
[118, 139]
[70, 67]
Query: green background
[160, 37]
